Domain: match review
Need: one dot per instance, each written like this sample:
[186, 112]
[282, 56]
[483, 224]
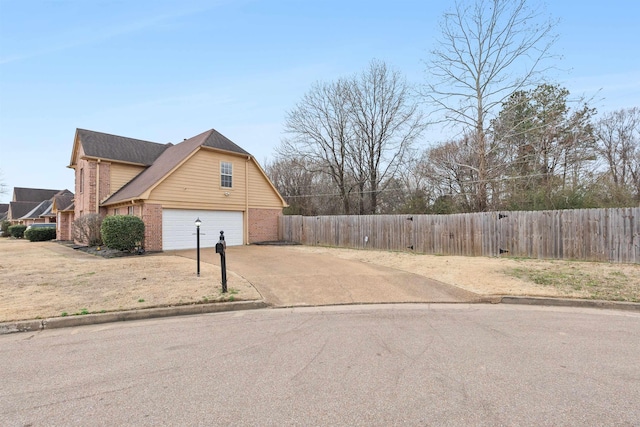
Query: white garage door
[179, 230]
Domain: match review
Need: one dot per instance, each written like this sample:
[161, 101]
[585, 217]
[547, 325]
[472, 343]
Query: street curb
[183, 310]
[564, 302]
[121, 316]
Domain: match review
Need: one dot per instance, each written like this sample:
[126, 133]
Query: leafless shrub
[86, 229]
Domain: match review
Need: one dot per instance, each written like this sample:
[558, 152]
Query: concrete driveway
[289, 278]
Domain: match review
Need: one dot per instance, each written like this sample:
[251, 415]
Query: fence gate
[503, 234]
[410, 237]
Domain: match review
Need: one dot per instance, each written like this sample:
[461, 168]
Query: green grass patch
[569, 279]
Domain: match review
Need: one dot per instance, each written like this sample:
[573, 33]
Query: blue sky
[167, 70]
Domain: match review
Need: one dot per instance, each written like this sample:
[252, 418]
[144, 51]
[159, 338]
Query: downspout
[246, 201]
[98, 187]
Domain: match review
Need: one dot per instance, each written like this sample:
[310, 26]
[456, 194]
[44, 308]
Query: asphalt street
[424, 364]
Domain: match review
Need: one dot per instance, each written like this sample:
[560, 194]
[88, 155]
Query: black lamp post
[198, 223]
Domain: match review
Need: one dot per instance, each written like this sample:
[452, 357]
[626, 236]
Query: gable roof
[62, 201]
[4, 208]
[171, 158]
[117, 148]
[21, 194]
[19, 209]
[215, 139]
[42, 209]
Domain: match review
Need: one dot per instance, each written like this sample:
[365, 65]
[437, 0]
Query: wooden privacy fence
[582, 234]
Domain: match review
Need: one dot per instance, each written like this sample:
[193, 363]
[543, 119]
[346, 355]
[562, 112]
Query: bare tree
[358, 131]
[618, 136]
[447, 168]
[386, 124]
[3, 186]
[488, 49]
[320, 133]
[307, 193]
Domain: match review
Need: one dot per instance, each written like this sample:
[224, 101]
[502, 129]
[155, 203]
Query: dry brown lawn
[47, 279]
[509, 276]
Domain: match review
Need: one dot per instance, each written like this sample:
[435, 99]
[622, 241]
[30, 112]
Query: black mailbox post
[220, 249]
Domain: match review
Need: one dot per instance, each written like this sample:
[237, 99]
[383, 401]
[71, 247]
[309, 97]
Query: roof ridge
[120, 136]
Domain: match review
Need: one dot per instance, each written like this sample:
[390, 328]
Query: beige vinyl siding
[261, 193]
[122, 174]
[196, 184]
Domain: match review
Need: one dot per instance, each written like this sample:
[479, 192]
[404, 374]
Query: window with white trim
[130, 210]
[226, 174]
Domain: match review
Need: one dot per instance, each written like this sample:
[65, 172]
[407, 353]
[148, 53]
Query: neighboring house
[33, 205]
[62, 207]
[4, 209]
[170, 186]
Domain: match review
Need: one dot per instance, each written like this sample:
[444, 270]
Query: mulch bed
[101, 251]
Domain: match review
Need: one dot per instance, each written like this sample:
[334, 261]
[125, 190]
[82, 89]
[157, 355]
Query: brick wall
[82, 194]
[105, 180]
[152, 217]
[85, 195]
[263, 224]
[63, 229]
[89, 190]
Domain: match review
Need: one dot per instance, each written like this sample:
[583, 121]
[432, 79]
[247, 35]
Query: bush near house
[40, 234]
[4, 227]
[17, 231]
[86, 229]
[122, 232]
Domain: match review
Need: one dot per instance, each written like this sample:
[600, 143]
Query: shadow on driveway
[286, 277]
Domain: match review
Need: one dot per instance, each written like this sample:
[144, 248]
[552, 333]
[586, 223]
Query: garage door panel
[179, 230]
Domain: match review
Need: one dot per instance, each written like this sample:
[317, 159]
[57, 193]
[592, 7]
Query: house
[62, 207]
[32, 205]
[4, 209]
[170, 186]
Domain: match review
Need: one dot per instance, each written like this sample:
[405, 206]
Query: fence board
[588, 234]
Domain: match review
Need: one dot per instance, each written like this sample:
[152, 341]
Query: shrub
[17, 231]
[122, 232]
[40, 234]
[86, 229]
[4, 227]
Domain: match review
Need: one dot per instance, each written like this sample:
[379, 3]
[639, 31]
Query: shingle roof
[21, 194]
[168, 160]
[42, 209]
[113, 147]
[221, 142]
[62, 201]
[4, 207]
[19, 209]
